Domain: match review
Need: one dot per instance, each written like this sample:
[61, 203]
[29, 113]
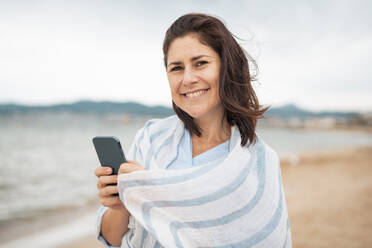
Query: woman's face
[193, 74]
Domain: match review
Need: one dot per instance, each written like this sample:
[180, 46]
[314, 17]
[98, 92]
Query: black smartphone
[109, 152]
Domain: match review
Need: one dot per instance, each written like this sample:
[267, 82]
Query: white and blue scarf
[237, 203]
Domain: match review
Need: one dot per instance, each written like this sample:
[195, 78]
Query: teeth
[195, 94]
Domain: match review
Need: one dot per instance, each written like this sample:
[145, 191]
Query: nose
[189, 77]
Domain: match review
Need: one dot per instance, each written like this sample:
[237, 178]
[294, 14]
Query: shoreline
[329, 128]
[328, 190]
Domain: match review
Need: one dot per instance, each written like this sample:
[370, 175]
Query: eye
[200, 63]
[176, 68]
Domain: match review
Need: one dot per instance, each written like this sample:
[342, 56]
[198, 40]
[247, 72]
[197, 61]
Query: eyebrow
[192, 59]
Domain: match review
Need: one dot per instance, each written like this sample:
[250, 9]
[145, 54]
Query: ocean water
[47, 161]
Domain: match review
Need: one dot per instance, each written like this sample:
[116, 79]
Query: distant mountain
[291, 111]
[133, 108]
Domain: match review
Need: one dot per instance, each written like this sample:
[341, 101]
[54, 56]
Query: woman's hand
[105, 191]
[129, 167]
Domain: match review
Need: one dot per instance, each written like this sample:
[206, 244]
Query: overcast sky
[316, 54]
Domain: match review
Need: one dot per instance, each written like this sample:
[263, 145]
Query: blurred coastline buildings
[292, 116]
[359, 121]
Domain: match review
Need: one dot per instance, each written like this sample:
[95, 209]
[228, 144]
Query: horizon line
[169, 106]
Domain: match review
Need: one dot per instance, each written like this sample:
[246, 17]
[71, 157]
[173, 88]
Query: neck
[214, 130]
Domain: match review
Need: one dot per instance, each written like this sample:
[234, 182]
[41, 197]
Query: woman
[203, 177]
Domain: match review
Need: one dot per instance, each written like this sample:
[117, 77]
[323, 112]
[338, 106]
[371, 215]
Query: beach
[329, 197]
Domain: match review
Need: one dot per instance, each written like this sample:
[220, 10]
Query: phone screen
[109, 151]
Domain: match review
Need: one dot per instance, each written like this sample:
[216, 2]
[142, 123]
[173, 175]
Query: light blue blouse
[185, 160]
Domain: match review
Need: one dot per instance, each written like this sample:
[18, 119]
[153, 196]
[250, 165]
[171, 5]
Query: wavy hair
[235, 89]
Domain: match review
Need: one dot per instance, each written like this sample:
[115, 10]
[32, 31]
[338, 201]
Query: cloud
[56, 51]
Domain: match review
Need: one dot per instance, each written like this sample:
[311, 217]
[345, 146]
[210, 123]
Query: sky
[315, 54]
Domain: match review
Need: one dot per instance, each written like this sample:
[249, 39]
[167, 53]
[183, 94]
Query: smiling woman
[202, 178]
[218, 59]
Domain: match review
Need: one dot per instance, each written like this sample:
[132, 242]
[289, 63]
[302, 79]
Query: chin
[195, 113]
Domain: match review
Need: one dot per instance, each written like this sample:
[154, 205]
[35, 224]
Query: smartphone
[109, 152]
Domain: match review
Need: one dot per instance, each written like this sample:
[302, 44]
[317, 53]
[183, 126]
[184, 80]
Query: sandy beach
[329, 197]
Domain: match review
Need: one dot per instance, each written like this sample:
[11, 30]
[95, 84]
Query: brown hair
[236, 93]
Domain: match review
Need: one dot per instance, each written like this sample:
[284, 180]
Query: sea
[47, 160]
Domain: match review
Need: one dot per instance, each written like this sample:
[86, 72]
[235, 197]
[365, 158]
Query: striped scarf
[238, 203]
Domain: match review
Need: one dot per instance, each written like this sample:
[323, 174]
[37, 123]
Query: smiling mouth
[195, 94]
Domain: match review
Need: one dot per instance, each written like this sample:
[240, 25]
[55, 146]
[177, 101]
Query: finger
[109, 201]
[124, 168]
[104, 180]
[107, 192]
[102, 171]
[110, 190]
[134, 163]
[129, 167]
[130, 163]
[99, 185]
